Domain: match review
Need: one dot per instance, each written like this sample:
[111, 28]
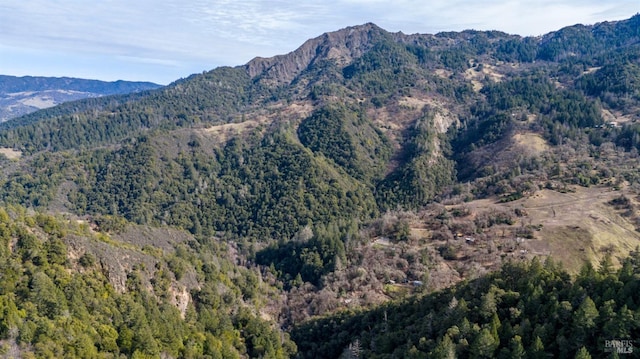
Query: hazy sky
[164, 40]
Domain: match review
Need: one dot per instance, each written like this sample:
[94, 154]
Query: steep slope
[340, 47]
[72, 290]
[22, 95]
[524, 310]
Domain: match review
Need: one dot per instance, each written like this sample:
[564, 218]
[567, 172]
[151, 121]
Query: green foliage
[110, 224]
[584, 41]
[489, 129]
[560, 114]
[455, 59]
[52, 310]
[517, 50]
[583, 353]
[385, 55]
[387, 69]
[309, 258]
[291, 196]
[421, 174]
[537, 94]
[208, 97]
[346, 137]
[123, 185]
[265, 188]
[616, 84]
[524, 310]
[37, 186]
[135, 164]
[324, 132]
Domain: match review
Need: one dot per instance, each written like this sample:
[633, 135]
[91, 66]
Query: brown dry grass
[413, 103]
[276, 113]
[531, 143]
[615, 116]
[228, 130]
[443, 73]
[575, 227]
[475, 75]
[10, 153]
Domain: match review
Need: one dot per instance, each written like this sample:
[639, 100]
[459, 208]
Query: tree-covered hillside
[364, 166]
[187, 300]
[526, 310]
[370, 136]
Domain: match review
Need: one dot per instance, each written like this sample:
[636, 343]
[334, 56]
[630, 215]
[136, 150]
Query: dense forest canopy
[525, 310]
[52, 305]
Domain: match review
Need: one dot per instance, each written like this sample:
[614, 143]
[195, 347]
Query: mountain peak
[341, 46]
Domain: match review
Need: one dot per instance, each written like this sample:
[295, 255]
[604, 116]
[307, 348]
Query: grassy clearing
[10, 153]
[531, 143]
[577, 227]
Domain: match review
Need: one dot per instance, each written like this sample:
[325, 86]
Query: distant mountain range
[22, 95]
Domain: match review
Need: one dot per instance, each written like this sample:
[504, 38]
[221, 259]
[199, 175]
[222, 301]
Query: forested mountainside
[529, 310]
[70, 290]
[365, 167]
[22, 95]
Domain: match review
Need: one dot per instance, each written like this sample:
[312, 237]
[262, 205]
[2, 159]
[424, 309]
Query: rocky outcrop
[340, 46]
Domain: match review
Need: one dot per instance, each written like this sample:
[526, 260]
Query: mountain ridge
[328, 46]
[26, 94]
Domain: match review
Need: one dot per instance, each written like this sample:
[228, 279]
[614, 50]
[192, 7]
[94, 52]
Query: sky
[165, 40]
